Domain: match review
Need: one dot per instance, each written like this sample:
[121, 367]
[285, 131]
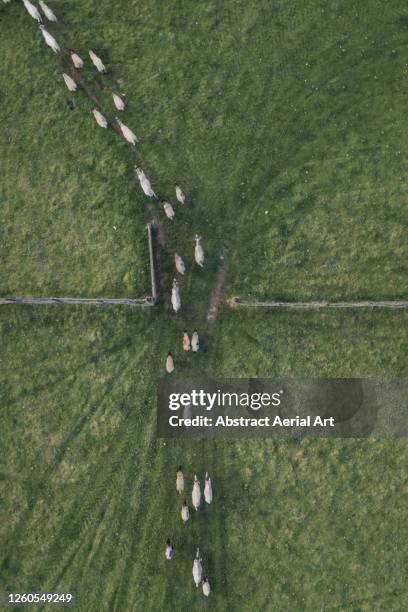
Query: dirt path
[217, 295]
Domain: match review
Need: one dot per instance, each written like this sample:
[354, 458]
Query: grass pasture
[285, 124]
[89, 494]
[297, 110]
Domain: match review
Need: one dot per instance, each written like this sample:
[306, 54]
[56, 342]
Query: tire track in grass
[114, 491]
[100, 492]
[68, 564]
[80, 542]
[132, 509]
[145, 518]
[103, 486]
[51, 384]
[54, 351]
[112, 547]
[214, 451]
[129, 557]
[29, 516]
[126, 509]
[105, 493]
[18, 531]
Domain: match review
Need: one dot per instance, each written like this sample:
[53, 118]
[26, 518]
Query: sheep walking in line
[185, 512]
[196, 494]
[195, 342]
[198, 251]
[118, 102]
[50, 40]
[208, 495]
[197, 568]
[168, 550]
[69, 82]
[76, 60]
[32, 11]
[180, 195]
[145, 183]
[206, 586]
[180, 267]
[186, 341]
[169, 210]
[179, 480]
[50, 15]
[99, 118]
[128, 135]
[97, 62]
[175, 296]
[169, 363]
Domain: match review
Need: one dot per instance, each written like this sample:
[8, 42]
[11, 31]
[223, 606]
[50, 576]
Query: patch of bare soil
[161, 240]
[160, 233]
[217, 294]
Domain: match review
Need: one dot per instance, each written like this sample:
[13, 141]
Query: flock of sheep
[194, 343]
[175, 291]
[185, 516]
[132, 139]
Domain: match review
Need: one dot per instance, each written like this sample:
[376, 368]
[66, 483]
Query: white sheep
[199, 252]
[99, 118]
[50, 15]
[76, 60]
[168, 550]
[169, 210]
[97, 62]
[180, 195]
[50, 40]
[195, 342]
[127, 133]
[197, 568]
[180, 267]
[33, 11]
[185, 512]
[196, 494]
[145, 183]
[186, 341]
[118, 102]
[187, 411]
[206, 586]
[175, 296]
[169, 363]
[179, 480]
[69, 82]
[208, 495]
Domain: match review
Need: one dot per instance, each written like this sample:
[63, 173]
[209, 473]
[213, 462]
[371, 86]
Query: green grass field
[285, 124]
[89, 493]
